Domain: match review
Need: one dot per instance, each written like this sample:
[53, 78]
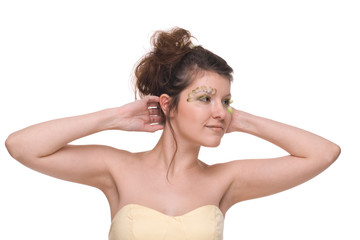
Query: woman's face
[204, 113]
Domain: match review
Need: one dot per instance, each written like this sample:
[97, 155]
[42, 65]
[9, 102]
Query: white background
[294, 61]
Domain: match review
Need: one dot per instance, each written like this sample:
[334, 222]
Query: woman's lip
[215, 127]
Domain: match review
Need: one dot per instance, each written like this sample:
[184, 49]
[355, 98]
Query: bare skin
[140, 178]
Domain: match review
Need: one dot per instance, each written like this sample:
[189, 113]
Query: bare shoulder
[123, 159]
[115, 156]
[119, 163]
[123, 164]
[222, 169]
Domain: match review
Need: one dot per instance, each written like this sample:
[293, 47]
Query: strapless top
[137, 222]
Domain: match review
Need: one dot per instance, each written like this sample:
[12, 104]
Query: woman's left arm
[309, 155]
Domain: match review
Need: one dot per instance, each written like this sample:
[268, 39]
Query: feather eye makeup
[201, 89]
[208, 91]
[230, 110]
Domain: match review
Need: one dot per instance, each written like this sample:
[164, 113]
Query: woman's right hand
[45, 147]
[143, 115]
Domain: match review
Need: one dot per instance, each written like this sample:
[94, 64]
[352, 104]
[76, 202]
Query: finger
[156, 119]
[153, 105]
[152, 99]
[154, 111]
[153, 128]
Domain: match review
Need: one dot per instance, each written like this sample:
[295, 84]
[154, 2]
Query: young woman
[167, 192]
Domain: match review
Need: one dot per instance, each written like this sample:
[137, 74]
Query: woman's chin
[212, 144]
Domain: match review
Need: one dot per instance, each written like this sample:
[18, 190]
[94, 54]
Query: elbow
[337, 152]
[327, 154]
[12, 146]
[18, 149]
[333, 153]
[9, 144]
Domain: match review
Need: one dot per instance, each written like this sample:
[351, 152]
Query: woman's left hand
[237, 121]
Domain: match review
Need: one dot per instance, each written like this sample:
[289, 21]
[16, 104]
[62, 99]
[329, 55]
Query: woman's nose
[219, 111]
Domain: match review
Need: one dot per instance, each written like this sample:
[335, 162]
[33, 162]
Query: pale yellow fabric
[136, 222]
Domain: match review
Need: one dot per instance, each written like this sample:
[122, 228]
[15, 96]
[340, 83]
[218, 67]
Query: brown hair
[172, 64]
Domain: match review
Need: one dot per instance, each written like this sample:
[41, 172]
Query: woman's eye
[227, 102]
[204, 98]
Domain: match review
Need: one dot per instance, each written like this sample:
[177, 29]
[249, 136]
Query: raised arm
[45, 147]
[309, 155]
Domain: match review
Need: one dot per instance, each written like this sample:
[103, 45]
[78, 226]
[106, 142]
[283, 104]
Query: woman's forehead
[210, 80]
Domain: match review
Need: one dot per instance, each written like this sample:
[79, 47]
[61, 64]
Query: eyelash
[204, 98]
[207, 99]
[227, 102]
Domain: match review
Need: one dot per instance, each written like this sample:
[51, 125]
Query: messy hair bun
[170, 65]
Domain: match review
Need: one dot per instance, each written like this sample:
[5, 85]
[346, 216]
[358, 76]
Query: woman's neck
[177, 157]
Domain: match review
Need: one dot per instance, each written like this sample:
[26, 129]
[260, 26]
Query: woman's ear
[165, 103]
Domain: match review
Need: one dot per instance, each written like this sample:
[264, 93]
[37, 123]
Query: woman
[167, 192]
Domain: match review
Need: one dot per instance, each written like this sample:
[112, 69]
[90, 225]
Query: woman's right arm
[45, 147]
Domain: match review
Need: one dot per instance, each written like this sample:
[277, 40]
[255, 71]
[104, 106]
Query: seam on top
[131, 228]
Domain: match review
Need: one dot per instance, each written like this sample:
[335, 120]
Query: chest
[171, 196]
[136, 221]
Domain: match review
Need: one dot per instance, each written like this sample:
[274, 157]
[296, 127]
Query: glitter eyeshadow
[202, 89]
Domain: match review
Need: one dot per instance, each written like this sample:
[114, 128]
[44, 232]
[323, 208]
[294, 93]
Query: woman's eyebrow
[201, 89]
[227, 95]
[206, 89]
